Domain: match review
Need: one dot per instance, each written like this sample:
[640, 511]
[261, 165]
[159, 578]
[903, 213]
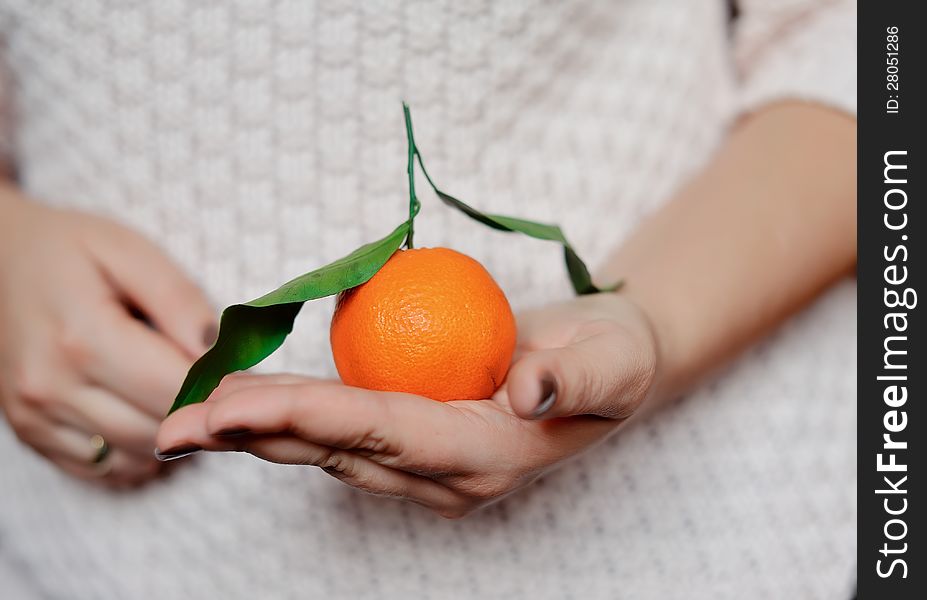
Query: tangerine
[431, 321]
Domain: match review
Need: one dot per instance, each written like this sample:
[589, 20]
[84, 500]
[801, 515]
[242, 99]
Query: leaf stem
[410, 169]
[425, 172]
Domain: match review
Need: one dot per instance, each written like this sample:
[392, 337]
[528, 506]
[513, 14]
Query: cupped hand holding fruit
[75, 362]
[579, 370]
[411, 327]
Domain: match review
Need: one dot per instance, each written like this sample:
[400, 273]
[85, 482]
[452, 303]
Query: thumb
[606, 374]
[154, 284]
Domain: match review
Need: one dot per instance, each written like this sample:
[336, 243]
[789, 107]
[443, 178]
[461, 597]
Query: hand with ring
[97, 329]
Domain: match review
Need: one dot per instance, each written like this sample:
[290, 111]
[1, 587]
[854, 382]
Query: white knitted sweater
[257, 139]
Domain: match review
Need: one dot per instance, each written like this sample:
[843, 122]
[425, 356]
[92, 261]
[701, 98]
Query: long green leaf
[250, 332]
[579, 273]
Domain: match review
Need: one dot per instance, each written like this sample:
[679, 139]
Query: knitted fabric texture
[255, 140]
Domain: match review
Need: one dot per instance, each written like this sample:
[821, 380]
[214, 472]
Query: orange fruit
[431, 322]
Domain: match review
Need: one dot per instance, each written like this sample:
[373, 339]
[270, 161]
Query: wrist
[647, 336]
[666, 380]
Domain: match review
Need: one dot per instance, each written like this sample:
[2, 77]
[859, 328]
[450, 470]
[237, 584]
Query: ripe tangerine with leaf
[431, 321]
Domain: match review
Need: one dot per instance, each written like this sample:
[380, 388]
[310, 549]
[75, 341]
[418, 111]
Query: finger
[234, 383]
[396, 430]
[72, 449]
[393, 429]
[184, 432]
[357, 471]
[382, 424]
[186, 428]
[604, 375]
[135, 363]
[144, 274]
[119, 422]
[272, 409]
[352, 413]
[117, 471]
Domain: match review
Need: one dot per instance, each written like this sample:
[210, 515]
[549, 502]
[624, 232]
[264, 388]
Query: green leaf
[579, 273]
[250, 332]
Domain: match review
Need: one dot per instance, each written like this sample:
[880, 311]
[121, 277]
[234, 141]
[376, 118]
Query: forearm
[763, 229]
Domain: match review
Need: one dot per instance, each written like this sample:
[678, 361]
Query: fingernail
[547, 399]
[175, 453]
[210, 335]
[232, 432]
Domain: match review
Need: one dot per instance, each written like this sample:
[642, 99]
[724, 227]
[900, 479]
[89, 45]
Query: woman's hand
[580, 369]
[717, 267]
[97, 329]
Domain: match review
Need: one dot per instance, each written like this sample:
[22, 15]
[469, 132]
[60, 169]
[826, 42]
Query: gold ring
[100, 448]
